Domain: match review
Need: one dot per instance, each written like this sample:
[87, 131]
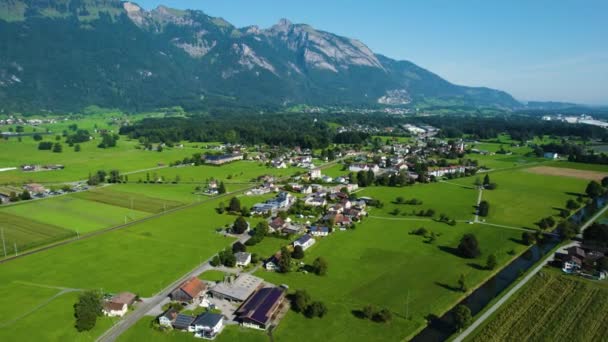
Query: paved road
[522, 282]
[142, 308]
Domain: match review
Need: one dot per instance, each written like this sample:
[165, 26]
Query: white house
[242, 258]
[551, 155]
[305, 242]
[112, 309]
[168, 317]
[315, 173]
[319, 231]
[207, 325]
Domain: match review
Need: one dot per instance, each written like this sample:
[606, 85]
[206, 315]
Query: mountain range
[64, 55]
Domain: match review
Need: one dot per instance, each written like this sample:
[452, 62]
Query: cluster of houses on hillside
[245, 299]
[11, 120]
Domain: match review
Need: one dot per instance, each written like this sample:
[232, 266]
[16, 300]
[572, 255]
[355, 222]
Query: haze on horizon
[536, 51]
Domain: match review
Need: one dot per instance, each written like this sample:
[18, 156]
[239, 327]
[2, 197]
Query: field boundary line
[38, 307]
[128, 224]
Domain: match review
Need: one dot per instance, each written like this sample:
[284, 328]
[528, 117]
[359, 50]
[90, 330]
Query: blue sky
[534, 49]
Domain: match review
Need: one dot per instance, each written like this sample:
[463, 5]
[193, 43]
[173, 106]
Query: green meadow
[125, 157]
[523, 198]
[74, 213]
[454, 200]
[240, 171]
[142, 259]
[380, 263]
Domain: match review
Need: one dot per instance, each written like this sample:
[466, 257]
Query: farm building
[236, 290]
[260, 310]
[189, 291]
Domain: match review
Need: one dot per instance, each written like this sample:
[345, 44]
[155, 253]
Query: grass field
[378, 263]
[74, 213]
[128, 200]
[240, 171]
[212, 275]
[551, 307]
[26, 233]
[523, 198]
[124, 157]
[141, 259]
[458, 202]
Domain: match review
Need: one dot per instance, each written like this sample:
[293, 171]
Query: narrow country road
[478, 322]
[142, 308]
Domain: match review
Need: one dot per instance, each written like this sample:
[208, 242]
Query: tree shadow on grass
[476, 266]
[358, 313]
[519, 241]
[450, 250]
[448, 286]
[576, 194]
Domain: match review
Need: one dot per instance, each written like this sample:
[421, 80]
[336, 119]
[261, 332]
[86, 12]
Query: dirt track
[558, 171]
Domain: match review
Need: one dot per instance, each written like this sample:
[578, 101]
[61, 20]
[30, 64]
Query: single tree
[77, 148]
[384, 315]
[368, 311]
[315, 309]
[57, 148]
[462, 317]
[491, 262]
[239, 247]
[486, 180]
[528, 238]
[320, 266]
[462, 286]
[469, 247]
[87, 309]
[484, 208]
[298, 253]
[221, 188]
[240, 225]
[594, 189]
[301, 300]
[285, 260]
[235, 205]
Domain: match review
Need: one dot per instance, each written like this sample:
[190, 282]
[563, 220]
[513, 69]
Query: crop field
[565, 172]
[579, 166]
[240, 171]
[74, 213]
[552, 307]
[128, 200]
[26, 233]
[379, 263]
[142, 259]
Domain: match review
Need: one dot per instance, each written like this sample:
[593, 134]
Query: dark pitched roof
[124, 298]
[208, 319]
[183, 321]
[259, 308]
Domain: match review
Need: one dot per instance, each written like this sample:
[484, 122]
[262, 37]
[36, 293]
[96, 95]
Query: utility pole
[407, 306]
[15, 245]
[3, 243]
